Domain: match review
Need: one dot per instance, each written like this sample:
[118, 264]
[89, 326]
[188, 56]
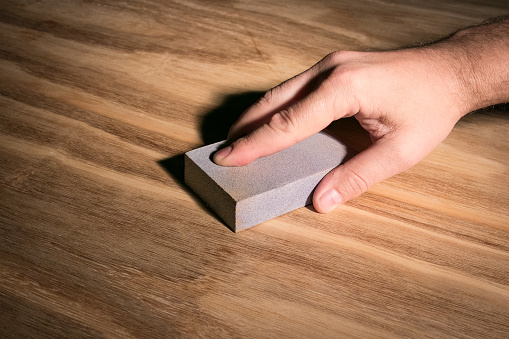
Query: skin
[408, 100]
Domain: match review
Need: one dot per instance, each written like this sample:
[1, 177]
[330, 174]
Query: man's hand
[408, 100]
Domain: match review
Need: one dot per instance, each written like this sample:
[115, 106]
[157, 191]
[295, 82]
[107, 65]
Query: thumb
[383, 159]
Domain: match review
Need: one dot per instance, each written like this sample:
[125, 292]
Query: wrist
[477, 63]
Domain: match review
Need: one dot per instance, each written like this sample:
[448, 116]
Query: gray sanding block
[268, 187]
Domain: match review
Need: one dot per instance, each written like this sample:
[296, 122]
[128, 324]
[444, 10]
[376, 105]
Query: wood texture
[100, 238]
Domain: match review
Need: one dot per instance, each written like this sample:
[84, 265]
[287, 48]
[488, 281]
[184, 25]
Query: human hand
[408, 101]
[403, 99]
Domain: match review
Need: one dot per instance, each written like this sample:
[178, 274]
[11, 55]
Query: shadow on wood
[174, 166]
[214, 127]
[216, 123]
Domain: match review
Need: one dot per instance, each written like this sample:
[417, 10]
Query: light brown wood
[100, 238]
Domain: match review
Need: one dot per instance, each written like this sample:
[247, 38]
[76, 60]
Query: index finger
[273, 101]
[298, 121]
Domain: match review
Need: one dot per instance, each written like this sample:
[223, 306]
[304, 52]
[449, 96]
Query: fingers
[290, 113]
[385, 158]
[300, 120]
[273, 101]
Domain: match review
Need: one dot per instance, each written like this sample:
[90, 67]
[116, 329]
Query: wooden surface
[100, 238]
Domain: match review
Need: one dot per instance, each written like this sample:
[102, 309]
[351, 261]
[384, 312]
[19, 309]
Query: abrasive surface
[268, 187]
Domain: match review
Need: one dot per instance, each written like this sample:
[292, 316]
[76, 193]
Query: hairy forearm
[479, 58]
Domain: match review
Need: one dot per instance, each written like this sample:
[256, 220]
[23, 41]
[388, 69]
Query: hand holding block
[268, 187]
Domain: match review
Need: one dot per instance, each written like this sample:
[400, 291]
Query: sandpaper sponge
[268, 187]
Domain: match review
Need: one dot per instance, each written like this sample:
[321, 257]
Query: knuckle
[266, 98]
[331, 58]
[356, 183]
[345, 76]
[339, 57]
[335, 57]
[338, 89]
[283, 121]
[269, 96]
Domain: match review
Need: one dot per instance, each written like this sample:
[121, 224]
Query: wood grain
[100, 238]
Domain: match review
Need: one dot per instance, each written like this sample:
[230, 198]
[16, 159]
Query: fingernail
[220, 155]
[330, 200]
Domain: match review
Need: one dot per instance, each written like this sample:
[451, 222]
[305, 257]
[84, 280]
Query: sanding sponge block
[268, 187]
